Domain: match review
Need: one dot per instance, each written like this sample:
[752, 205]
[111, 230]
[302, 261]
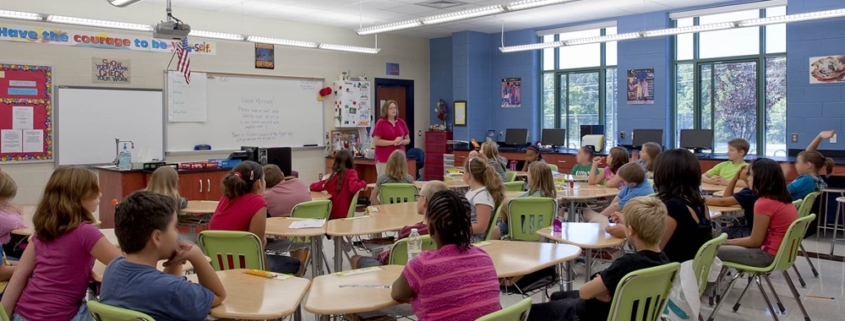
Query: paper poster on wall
[392, 69]
[352, 104]
[641, 86]
[511, 92]
[186, 102]
[22, 117]
[33, 141]
[265, 56]
[12, 141]
[825, 70]
[111, 71]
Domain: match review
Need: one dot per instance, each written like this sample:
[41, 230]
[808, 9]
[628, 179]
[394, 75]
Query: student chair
[395, 193]
[317, 210]
[350, 214]
[804, 207]
[510, 176]
[703, 261]
[104, 312]
[553, 167]
[4, 316]
[232, 250]
[642, 294]
[516, 312]
[517, 186]
[494, 222]
[527, 215]
[784, 259]
[399, 250]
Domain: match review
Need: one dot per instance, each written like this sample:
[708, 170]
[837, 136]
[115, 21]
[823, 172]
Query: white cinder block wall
[72, 66]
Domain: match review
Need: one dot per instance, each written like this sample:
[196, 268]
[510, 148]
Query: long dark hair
[342, 162]
[448, 215]
[240, 179]
[678, 174]
[768, 180]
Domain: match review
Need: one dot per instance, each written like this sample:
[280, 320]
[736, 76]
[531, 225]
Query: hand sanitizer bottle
[124, 159]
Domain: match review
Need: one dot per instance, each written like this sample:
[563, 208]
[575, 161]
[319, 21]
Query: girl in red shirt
[341, 184]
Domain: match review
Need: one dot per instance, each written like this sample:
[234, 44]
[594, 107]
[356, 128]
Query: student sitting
[165, 181]
[283, 194]
[647, 155]
[722, 173]
[636, 185]
[145, 226]
[808, 165]
[395, 171]
[51, 279]
[490, 152]
[617, 158]
[773, 213]
[242, 208]
[486, 194]
[11, 218]
[541, 184]
[532, 154]
[584, 166]
[456, 282]
[644, 225]
[745, 198]
[341, 184]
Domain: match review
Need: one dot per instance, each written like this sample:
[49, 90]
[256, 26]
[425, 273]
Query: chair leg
[738, 300]
[766, 297]
[775, 294]
[326, 261]
[810, 262]
[719, 304]
[800, 279]
[797, 297]
[714, 293]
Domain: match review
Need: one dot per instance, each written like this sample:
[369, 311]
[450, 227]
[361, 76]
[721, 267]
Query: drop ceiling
[354, 13]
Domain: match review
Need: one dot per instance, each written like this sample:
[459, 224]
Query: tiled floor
[830, 283]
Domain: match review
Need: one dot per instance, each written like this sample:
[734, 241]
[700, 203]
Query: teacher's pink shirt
[386, 131]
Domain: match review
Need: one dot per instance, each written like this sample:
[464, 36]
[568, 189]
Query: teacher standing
[391, 133]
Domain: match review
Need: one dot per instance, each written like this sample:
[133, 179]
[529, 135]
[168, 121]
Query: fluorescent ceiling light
[20, 15]
[607, 38]
[99, 23]
[690, 29]
[528, 4]
[122, 3]
[793, 18]
[463, 14]
[216, 35]
[389, 27]
[533, 46]
[283, 42]
[366, 50]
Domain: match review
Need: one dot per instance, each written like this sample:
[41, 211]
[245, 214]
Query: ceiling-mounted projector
[175, 30]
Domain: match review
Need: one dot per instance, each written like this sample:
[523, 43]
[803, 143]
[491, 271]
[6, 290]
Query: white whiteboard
[89, 119]
[252, 111]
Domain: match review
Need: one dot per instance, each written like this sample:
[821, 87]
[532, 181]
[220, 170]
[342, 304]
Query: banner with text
[111, 71]
[103, 39]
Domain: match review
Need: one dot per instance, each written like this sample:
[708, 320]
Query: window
[580, 85]
[738, 90]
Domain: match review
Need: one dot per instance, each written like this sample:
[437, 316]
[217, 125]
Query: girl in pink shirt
[10, 215]
[456, 282]
[52, 276]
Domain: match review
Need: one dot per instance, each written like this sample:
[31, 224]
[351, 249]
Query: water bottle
[414, 244]
[124, 159]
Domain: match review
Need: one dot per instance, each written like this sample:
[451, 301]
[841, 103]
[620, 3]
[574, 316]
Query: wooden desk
[256, 298]
[319, 196]
[280, 226]
[713, 188]
[420, 184]
[200, 207]
[580, 193]
[366, 169]
[588, 236]
[515, 258]
[391, 217]
[327, 296]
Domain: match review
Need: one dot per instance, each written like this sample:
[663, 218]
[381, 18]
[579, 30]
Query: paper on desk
[307, 224]
[358, 271]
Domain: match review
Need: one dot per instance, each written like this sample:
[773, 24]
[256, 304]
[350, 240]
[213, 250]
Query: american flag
[184, 63]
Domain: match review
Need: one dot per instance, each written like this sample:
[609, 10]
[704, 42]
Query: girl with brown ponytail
[486, 194]
[808, 165]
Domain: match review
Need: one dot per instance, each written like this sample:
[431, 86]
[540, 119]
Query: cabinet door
[213, 185]
[192, 186]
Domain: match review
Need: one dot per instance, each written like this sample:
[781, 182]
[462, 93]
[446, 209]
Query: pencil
[821, 297]
[260, 273]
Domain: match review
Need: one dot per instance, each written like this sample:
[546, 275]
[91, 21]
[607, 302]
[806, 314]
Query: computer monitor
[556, 137]
[642, 136]
[697, 139]
[516, 136]
[252, 151]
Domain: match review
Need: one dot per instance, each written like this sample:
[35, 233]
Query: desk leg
[325, 317]
[316, 256]
[570, 275]
[338, 253]
[588, 269]
[297, 315]
[571, 216]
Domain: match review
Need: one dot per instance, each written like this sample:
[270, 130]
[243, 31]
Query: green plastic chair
[352, 205]
[784, 259]
[804, 207]
[515, 186]
[318, 210]
[553, 167]
[527, 215]
[642, 294]
[703, 260]
[394, 193]
[510, 176]
[4, 316]
[399, 250]
[516, 312]
[104, 312]
[494, 221]
[232, 249]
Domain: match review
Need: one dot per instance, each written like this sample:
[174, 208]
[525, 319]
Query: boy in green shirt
[584, 165]
[725, 171]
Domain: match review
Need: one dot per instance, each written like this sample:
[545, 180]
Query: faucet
[117, 142]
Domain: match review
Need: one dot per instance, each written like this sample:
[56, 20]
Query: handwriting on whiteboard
[307, 85]
[260, 120]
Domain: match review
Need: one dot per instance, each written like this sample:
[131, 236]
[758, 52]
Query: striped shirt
[453, 285]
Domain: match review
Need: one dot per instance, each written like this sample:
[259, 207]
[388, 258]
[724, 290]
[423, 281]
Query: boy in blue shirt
[145, 226]
[636, 185]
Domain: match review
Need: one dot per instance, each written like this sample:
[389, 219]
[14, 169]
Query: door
[402, 91]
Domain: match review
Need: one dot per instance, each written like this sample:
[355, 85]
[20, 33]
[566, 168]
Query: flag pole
[171, 59]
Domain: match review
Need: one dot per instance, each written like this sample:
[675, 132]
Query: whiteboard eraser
[202, 147]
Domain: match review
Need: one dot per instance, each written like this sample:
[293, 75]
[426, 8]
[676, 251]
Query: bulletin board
[26, 107]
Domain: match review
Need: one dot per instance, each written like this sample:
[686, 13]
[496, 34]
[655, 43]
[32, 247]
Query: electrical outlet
[794, 137]
[419, 133]
[833, 139]
[622, 135]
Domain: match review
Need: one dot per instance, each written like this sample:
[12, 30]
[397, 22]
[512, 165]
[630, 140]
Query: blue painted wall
[522, 65]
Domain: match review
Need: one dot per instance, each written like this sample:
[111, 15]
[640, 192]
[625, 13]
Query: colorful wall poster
[511, 92]
[641, 86]
[825, 70]
[392, 69]
[352, 104]
[26, 107]
[265, 56]
[111, 71]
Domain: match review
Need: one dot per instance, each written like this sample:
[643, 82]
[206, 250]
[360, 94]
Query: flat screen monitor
[642, 136]
[253, 152]
[556, 137]
[516, 136]
[697, 139]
